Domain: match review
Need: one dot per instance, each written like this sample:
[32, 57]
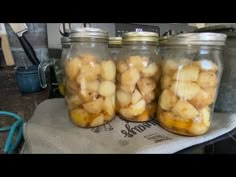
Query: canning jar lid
[217, 39]
[142, 36]
[115, 41]
[65, 40]
[163, 39]
[78, 34]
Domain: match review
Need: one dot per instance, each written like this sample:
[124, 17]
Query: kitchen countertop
[23, 105]
[225, 144]
[13, 101]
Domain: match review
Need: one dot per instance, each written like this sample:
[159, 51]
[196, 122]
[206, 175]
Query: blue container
[28, 80]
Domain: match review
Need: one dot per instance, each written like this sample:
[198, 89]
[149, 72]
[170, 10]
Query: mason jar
[114, 45]
[65, 42]
[191, 72]
[90, 78]
[138, 73]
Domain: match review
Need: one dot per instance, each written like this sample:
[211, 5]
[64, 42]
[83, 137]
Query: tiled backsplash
[37, 37]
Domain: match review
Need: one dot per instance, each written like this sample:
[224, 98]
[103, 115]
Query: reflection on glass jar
[114, 45]
[66, 43]
[138, 73]
[191, 72]
[90, 78]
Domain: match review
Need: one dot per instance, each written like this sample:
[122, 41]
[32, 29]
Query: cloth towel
[51, 131]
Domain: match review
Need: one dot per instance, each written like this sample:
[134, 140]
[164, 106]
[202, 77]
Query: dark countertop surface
[225, 144]
[23, 105]
[13, 101]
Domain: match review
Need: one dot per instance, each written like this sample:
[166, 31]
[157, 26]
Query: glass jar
[138, 74]
[114, 45]
[65, 42]
[191, 72]
[90, 78]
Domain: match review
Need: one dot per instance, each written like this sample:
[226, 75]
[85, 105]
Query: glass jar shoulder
[98, 50]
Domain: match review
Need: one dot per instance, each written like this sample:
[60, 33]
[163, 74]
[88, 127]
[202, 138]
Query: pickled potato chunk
[165, 82]
[89, 71]
[122, 66]
[92, 85]
[99, 120]
[128, 88]
[134, 109]
[143, 117]
[71, 87]
[212, 94]
[94, 107]
[157, 76]
[185, 90]
[172, 121]
[79, 117]
[170, 66]
[138, 108]
[167, 100]
[138, 62]
[185, 110]
[72, 68]
[187, 73]
[207, 79]
[205, 116]
[108, 106]
[108, 70]
[73, 100]
[150, 70]
[126, 113]
[149, 97]
[87, 96]
[136, 96]
[123, 98]
[201, 99]
[130, 77]
[198, 129]
[106, 88]
[146, 85]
